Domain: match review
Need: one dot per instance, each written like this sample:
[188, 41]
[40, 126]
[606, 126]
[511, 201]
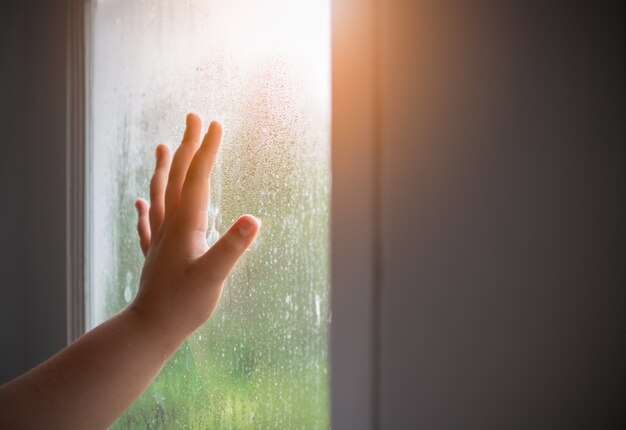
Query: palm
[182, 275]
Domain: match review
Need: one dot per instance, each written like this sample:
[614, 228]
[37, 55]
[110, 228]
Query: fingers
[194, 199]
[217, 262]
[180, 163]
[143, 225]
[157, 187]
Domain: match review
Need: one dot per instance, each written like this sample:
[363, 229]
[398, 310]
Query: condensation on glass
[261, 67]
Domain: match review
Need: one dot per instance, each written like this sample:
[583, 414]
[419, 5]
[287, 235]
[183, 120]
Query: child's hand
[182, 278]
[106, 369]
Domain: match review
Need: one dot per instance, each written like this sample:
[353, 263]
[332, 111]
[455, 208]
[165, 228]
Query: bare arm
[92, 381]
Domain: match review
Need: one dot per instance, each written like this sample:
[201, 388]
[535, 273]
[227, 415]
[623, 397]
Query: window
[262, 68]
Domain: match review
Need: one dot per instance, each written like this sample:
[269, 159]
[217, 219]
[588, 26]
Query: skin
[96, 378]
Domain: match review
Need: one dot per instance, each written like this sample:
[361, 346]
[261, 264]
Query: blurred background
[477, 209]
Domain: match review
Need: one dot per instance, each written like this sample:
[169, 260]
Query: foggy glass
[261, 67]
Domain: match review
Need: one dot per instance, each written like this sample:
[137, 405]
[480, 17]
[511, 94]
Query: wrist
[163, 338]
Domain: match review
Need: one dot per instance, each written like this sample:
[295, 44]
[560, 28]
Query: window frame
[354, 225]
[355, 235]
[77, 159]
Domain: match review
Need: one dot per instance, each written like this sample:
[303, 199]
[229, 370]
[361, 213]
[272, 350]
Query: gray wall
[501, 214]
[32, 184]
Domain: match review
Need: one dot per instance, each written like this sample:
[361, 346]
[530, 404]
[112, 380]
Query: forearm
[92, 381]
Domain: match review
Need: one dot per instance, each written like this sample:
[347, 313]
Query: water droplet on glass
[212, 236]
[127, 294]
[318, 312]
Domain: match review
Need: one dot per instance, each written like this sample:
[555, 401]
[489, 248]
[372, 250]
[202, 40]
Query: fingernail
[246, 227]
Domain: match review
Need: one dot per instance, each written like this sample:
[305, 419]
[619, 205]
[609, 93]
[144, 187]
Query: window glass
[261, 67]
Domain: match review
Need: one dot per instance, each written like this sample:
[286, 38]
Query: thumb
[218, 261]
